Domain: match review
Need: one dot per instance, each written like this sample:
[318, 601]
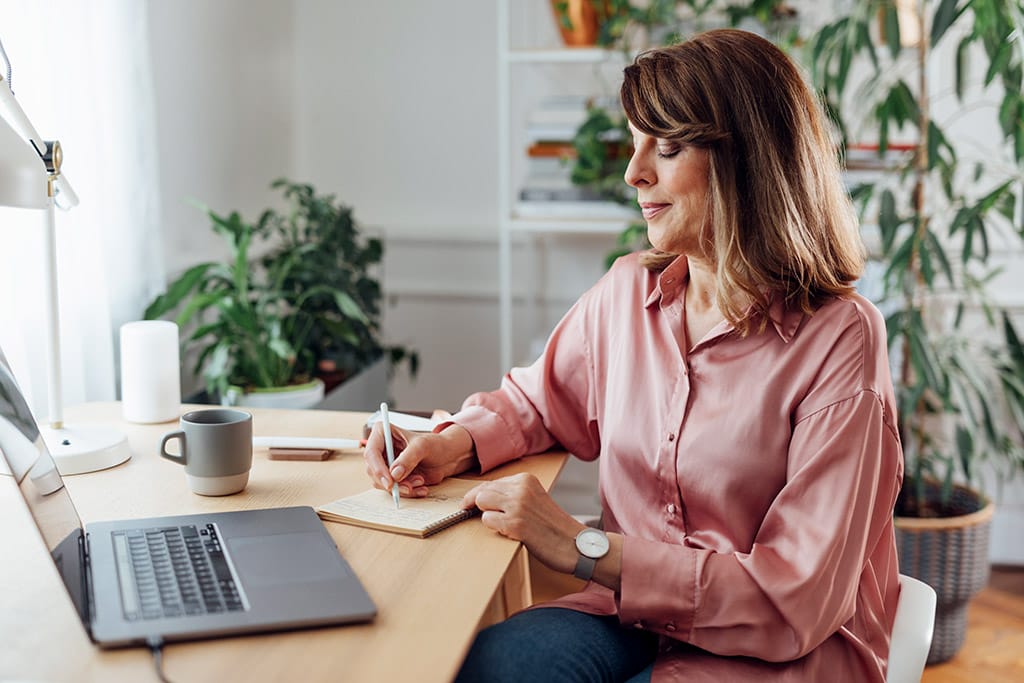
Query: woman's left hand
[518, 507]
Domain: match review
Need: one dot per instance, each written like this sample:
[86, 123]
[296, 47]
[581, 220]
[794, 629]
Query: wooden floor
[993, 653]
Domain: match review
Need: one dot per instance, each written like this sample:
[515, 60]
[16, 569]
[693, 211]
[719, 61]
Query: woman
[737, 392]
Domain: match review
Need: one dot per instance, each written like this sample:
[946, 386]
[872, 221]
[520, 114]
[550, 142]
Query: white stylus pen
[389, 445]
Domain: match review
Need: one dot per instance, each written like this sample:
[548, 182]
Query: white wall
[225, 116]
[396, 109]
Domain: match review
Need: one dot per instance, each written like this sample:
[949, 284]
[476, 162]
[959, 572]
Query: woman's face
[671, 180]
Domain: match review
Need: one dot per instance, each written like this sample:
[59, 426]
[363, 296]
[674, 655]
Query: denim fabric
[559, 645]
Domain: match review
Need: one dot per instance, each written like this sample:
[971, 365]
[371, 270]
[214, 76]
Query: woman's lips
[650, 210]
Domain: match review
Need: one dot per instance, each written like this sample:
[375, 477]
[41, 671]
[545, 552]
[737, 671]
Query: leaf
[1009, 112]
[940, 254]
[999, 62]
[888, 222]
[197, 304]
[891, 22]
[845, 60]
[1013, 342]
[965, 449]
[282, 349]
[178, 290]
[899, 261]
[905, 108]
[967, 249]
[925, 262]
[219, 366]
[348, 307]
[962, 66]
[945, 15]
[864, 38]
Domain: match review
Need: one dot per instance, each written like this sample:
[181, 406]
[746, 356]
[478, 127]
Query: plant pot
[583, 18]
[298, 396]
[950, 554]
[363, 391]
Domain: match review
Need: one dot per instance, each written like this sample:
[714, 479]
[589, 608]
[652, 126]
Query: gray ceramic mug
[216, 450]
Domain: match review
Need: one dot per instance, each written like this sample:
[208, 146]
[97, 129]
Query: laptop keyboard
[174, 572]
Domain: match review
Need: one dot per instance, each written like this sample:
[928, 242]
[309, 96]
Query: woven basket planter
[950, 554]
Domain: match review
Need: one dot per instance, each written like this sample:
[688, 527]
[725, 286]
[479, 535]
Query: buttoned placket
[673, 419]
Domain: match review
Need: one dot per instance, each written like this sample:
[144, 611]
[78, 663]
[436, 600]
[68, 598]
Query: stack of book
[547, 190]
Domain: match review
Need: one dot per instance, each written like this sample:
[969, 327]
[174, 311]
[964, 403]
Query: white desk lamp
[30, 178]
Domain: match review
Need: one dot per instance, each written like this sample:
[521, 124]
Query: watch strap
[584, 567]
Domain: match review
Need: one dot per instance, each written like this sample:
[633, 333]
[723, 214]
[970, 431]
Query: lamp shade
[22, 174]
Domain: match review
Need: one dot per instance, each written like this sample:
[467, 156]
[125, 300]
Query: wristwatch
[592, 545]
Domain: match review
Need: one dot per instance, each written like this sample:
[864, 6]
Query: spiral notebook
[375, 509]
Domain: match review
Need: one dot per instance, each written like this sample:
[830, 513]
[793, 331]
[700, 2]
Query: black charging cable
[156, 648]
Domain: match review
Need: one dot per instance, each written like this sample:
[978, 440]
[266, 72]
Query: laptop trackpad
[285, 558]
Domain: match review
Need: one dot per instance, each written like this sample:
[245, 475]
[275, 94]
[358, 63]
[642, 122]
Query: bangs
[660, 101]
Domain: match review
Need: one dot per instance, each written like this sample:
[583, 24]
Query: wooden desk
[432, 594]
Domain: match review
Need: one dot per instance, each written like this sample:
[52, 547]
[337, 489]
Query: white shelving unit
[530, 63]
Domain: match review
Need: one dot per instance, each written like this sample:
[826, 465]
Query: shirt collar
[786, 321]
[669, 283]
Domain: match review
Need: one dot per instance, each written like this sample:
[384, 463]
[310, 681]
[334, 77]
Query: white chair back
[911, 631]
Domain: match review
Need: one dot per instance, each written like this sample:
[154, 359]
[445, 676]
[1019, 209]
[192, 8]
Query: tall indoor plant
[941, 208]
[310, 305]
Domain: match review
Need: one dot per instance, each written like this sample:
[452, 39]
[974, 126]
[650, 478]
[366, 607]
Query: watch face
[592, 543]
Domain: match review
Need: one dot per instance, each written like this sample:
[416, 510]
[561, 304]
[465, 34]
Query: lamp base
[78, 449]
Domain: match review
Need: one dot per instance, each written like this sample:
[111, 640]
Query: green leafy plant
[311, 301]
[940, 214]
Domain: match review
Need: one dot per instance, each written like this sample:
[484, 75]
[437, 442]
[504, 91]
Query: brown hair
[781, 223]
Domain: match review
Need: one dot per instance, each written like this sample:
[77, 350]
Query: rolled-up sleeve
[799, 582]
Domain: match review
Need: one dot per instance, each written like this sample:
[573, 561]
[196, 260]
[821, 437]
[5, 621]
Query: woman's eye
[668, 152]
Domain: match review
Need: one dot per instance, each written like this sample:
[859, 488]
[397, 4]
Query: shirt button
[638, 624]
[670, 626]
[671, 508]
[671, 436]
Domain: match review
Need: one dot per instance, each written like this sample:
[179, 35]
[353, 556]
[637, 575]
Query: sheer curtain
[81, 72]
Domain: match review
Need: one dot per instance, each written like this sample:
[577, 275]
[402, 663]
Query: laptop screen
[25, 460]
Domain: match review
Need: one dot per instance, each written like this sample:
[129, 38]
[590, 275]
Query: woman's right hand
[421, 459]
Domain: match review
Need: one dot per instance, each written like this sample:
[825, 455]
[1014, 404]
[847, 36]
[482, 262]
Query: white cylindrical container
[150, 371]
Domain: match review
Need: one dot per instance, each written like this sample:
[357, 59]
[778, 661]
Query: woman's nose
[638, 172]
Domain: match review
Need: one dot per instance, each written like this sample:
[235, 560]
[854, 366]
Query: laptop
[180, 577]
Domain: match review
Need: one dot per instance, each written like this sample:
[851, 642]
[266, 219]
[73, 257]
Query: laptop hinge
[83, 543]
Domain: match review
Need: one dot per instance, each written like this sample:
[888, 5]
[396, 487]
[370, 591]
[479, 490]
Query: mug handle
[180, 436]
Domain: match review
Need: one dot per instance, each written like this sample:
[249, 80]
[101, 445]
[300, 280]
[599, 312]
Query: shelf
[563, 55]
[589, 226]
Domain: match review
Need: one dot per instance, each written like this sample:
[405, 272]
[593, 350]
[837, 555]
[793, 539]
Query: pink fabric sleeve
[799, 583]
[549, 403]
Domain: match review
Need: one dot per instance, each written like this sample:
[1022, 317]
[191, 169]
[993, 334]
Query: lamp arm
[49, 152]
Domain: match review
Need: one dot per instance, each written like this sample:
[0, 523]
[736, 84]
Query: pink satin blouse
[753, 478]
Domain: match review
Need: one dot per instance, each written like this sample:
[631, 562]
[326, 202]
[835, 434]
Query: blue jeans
[557, 644]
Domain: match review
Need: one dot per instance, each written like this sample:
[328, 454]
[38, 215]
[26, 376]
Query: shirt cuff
[669, 606]
[494, 441]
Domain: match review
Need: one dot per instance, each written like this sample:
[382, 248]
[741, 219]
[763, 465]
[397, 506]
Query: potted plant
[940, 207]
[269, 325]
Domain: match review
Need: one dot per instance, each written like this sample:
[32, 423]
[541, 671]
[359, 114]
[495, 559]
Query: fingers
[499, 505]
[517, 507]
[408, 456]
